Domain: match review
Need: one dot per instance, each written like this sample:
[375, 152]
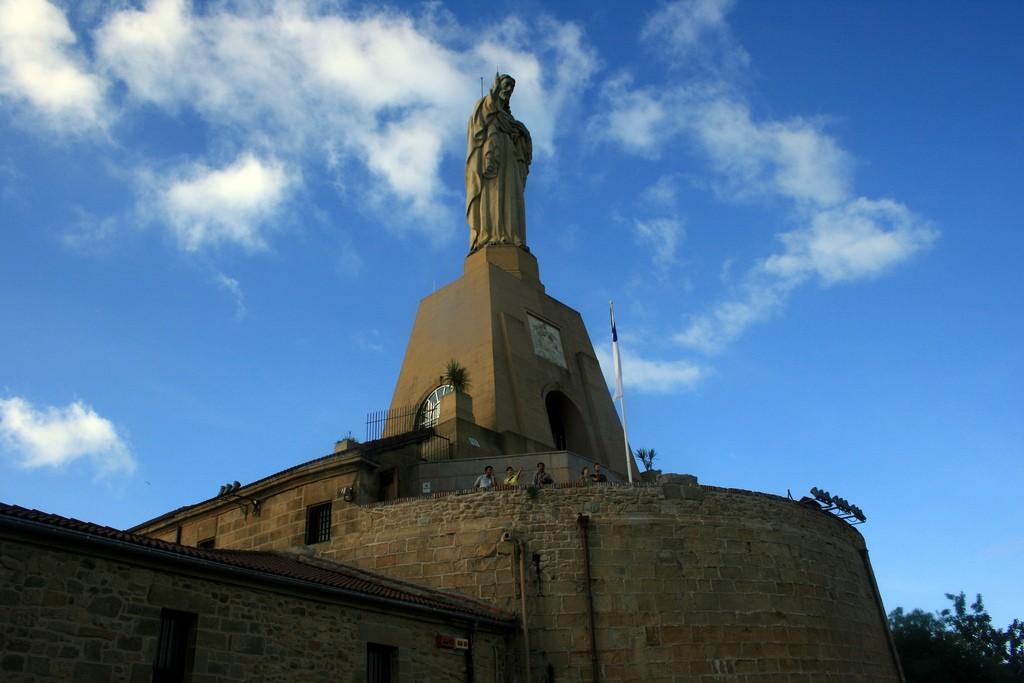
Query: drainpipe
[522, 598]
[517, 544]
[584, 522]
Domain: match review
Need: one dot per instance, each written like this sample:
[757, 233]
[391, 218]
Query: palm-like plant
[456, 375]
[646, 456]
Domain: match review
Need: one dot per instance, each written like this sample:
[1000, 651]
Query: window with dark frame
[318, 523]
[207, 543]
[380, 663]
[176, 646]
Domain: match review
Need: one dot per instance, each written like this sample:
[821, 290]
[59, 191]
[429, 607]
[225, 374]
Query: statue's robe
[497, 162]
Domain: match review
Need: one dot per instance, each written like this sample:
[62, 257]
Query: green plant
[646, 456]
[957, 645]
[456, 375]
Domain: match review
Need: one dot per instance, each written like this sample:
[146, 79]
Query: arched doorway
[568, 431]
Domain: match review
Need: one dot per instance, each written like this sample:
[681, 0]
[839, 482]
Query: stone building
[82, 602]
[379, 558]
[659, 580]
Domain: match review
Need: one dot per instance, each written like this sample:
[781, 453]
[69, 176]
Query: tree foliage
[957, 645]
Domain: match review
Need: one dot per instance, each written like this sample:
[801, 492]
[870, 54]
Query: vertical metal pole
[584, 522]
[620, 393]
[625, 439]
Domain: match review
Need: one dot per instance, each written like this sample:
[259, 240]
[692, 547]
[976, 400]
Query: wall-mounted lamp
[840, 507]
[243, 501]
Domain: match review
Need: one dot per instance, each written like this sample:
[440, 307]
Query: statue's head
[502, 89]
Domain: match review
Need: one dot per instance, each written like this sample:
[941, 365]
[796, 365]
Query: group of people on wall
[541, 477]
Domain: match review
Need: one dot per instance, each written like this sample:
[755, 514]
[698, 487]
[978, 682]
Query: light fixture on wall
[348, 494]
[840, 507]
[244, 502]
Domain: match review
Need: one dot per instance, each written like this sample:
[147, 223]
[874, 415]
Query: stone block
[247, 644]
[106, 606]
[12, 663]
[88, 672]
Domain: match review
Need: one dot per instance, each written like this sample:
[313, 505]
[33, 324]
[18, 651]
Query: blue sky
[217, 222]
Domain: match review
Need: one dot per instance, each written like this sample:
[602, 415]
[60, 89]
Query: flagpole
[617, 361]
[629, 469]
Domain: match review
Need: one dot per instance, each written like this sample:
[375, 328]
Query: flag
[616, 361]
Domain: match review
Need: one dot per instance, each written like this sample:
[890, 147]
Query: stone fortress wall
[703, 583]
[689, 582]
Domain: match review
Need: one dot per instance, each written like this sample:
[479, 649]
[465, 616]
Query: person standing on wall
[485, 481]
[541, 477]
[598, 476]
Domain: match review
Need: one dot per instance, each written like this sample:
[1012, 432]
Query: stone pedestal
[534, 378]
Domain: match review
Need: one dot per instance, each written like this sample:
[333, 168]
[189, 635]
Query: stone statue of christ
[497, 162]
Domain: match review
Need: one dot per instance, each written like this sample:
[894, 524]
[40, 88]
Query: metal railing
[383, 424]
[391, 422]
[436, 448]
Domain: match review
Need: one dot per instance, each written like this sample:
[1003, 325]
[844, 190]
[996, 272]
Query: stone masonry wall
[690, 583]
[65, 616]
[281, 522]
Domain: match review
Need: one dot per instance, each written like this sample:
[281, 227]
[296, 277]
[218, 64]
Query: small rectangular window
[207, 543]
[176, 646]
[380, 663]
[318, 523]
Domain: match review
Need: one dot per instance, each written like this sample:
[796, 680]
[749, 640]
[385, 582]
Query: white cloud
[231, 286]
[235, 204]
[662, 236]
[564, 70]
[860, 239]
[839, 238]
[144, 49]
[711, 332]
[54, 437]
[694, 33]
[792, 158]
[368, 339]
[635, 118]
[39, 67]
[663, 192]
[686, 23]
[89, 233]
[377, 88]
[650, 376]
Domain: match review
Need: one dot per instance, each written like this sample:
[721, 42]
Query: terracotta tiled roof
[313, 572]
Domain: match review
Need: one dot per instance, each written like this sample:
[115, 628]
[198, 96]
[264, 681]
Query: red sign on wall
[451, 642]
